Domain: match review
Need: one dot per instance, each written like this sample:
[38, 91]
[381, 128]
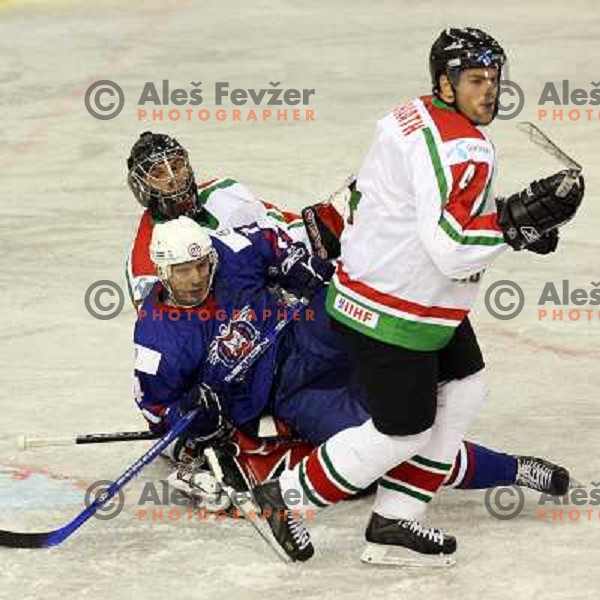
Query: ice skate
[542, 475]
[406, 543]
[286, 526]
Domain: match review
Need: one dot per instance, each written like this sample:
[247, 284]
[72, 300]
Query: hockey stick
[13, 539]
[245, 505]
[539, 138]
[25, 442]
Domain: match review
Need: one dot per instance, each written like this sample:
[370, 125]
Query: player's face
[475, 94]
[190, 281]
[171, 176]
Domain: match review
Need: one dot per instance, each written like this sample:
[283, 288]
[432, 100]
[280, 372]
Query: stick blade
[14, 539]
[538, 137]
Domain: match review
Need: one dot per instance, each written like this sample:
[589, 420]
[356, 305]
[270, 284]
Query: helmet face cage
[162, 178]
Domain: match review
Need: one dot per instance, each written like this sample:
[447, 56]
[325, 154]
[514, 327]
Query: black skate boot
[407, 543]
[287, 528]
[542, 475]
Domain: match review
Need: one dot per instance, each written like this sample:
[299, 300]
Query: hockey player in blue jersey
[212, 308]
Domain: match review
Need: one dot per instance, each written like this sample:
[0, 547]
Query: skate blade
[396, 556]
[575, 484]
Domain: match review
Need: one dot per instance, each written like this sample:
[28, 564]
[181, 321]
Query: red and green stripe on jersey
[207, 188]
[463, 184]
[291, 220]
[389, 318]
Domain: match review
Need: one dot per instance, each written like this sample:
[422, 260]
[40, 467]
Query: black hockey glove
[209, 423]
[545, 205]
[546, 244]
[301, 274]
[324, 225]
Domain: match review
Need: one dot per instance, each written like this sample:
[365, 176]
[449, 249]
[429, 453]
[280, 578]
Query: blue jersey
[178, 348]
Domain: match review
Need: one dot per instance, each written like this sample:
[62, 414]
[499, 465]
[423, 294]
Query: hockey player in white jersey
[423, 227]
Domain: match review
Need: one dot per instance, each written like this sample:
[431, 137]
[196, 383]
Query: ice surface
[67, 218]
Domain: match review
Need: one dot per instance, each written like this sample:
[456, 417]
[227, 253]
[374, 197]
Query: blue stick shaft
[133, 470]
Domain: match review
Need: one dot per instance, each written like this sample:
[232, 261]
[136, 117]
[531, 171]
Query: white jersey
[422, 229]
[226, 203]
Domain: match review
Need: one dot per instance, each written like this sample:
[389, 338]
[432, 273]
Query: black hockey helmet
[457, 49]
[161, 177]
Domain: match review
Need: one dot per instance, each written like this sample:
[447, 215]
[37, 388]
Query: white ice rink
[67, 219]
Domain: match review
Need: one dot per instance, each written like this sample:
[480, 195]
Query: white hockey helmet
[180, 241]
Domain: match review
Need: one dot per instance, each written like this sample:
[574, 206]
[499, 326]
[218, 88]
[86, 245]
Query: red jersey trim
[140, 253]
[450, 124]
[397, 303]
[287, 216]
